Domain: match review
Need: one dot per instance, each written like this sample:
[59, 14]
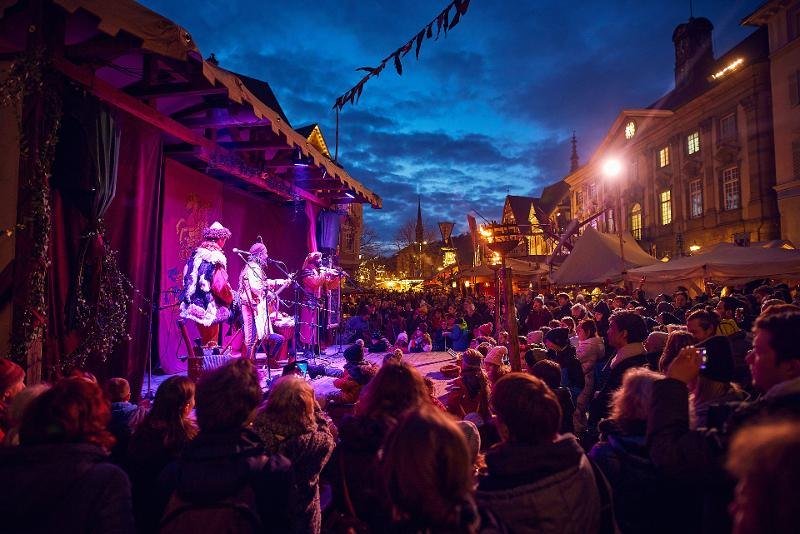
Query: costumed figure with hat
[258, 295]
[313, 277]
[357, 374]
[207, 296]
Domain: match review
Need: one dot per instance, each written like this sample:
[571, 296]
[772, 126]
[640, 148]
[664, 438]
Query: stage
[427, 363]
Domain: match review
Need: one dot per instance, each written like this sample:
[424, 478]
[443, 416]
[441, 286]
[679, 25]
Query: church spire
[419, 220]
[573, 159]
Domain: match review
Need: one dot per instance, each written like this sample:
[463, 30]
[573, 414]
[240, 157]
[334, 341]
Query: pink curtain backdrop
[132, 223]
[192, 201]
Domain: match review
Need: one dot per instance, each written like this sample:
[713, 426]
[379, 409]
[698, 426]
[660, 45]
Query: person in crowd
[539, 316]
[764, 458]
[601, 314]
[207, 295]
[626, 334]
[457, 335]
[225, 469]
[537, 480]
[569, 323]
[682, 303]
[357, 374]
[421, 340]
[578, 312]
[59, 478]
[483, 334]
[358, 325]
[353, 469]
[16, 411]
[313, 277]
[430, 386]
[291, 423]
[550, 373]
[714, 383]
[726, 309]
[258, 295]
[562, 352]
[471, 391]
[156, 442]
[563, 306]
[496, 363]
[695, 455]
[472, 316]
[640, 492]
[393, 357]
[702, 324]
[402, 342]
[676, 340]
[125, 416]
[427, 473]
[590, 350]
[533, 355]
[655, 343]
[12, 381]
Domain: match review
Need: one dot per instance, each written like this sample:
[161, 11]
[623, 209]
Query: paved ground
[427, 363]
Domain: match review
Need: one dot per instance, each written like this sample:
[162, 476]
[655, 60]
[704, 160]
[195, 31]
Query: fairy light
[730, 67]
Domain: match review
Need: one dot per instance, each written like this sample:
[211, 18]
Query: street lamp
[612, 168]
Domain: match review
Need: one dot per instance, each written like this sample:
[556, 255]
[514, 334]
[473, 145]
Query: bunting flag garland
[442, 23]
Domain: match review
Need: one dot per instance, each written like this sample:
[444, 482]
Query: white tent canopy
[595, 259]
[725, 264]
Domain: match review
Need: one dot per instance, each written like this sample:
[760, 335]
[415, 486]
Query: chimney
[694, 53]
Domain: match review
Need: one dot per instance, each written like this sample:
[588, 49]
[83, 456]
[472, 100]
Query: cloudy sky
[487, 111]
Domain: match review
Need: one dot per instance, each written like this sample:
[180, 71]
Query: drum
[284, 325]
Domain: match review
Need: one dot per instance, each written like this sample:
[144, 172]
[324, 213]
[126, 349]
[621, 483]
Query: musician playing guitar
[258, 295]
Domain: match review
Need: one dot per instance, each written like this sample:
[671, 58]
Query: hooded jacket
[541, 488]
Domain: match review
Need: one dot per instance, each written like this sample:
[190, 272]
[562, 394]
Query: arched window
[636, 221]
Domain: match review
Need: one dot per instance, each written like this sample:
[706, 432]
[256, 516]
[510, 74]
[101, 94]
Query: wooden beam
[175, 89]
[250, 145]
[209, 151]
[239, 121]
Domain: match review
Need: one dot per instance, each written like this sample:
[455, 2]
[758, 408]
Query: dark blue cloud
[487, 110]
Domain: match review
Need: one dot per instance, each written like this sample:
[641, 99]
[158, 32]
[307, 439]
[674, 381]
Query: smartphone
[302, 366]
[703, 357]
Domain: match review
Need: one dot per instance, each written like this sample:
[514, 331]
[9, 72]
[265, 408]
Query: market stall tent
[725, 264]
[595, 259]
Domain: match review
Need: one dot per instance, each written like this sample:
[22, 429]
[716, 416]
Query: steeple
[573, 159]
[419, 220]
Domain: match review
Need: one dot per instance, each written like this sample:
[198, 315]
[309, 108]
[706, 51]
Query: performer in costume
[258, 295]
[313, 277]
[207, 295]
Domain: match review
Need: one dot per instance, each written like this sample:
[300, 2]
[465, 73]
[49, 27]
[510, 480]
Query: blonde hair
[631, 402]
[291, 400]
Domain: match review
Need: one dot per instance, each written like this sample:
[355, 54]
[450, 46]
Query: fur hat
[258, 251]
[216, 231]
[496, 355]
[402, 337]
[558, 336]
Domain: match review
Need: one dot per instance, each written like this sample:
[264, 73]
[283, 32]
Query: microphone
[240, 251]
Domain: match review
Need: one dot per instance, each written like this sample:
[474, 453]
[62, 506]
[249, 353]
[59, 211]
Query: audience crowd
[632, 413]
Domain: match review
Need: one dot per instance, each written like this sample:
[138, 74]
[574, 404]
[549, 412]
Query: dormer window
[630, 130]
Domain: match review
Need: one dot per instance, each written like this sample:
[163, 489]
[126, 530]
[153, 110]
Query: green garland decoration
[103, 323]
[31, 76]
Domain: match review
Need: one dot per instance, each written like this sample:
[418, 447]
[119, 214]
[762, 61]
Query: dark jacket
[537, 319]
[571, 371]
[641, 494]
[543, 489]
[216, 466]
[63, 488]
[697, 456]
[610, 381]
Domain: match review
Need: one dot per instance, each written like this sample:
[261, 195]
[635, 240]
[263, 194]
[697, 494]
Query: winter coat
[589, 351]
[612, 380]
[547, 488]
[459, 337]
[642, 496]
[571, 371]
[64, 488]
[308, 448]
[537, 319]
[216, 466]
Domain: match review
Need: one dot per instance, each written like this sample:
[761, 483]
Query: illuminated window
[636, 221]
[592, 193]
[727, 127]
[663, 157]
[730, 188]
[665, 200]
[578, 200]
[696, 198]
[630, 130]
[693, 143]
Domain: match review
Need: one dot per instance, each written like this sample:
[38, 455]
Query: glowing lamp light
[730, 67]
[694, 247]
[466, 283]
[453, 285]
[612, 167]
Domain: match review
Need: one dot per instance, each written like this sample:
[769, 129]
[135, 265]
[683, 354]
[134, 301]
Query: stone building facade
[697, 167]
[782, 19]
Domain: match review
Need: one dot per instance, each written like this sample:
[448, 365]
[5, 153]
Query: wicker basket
[450, 370]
